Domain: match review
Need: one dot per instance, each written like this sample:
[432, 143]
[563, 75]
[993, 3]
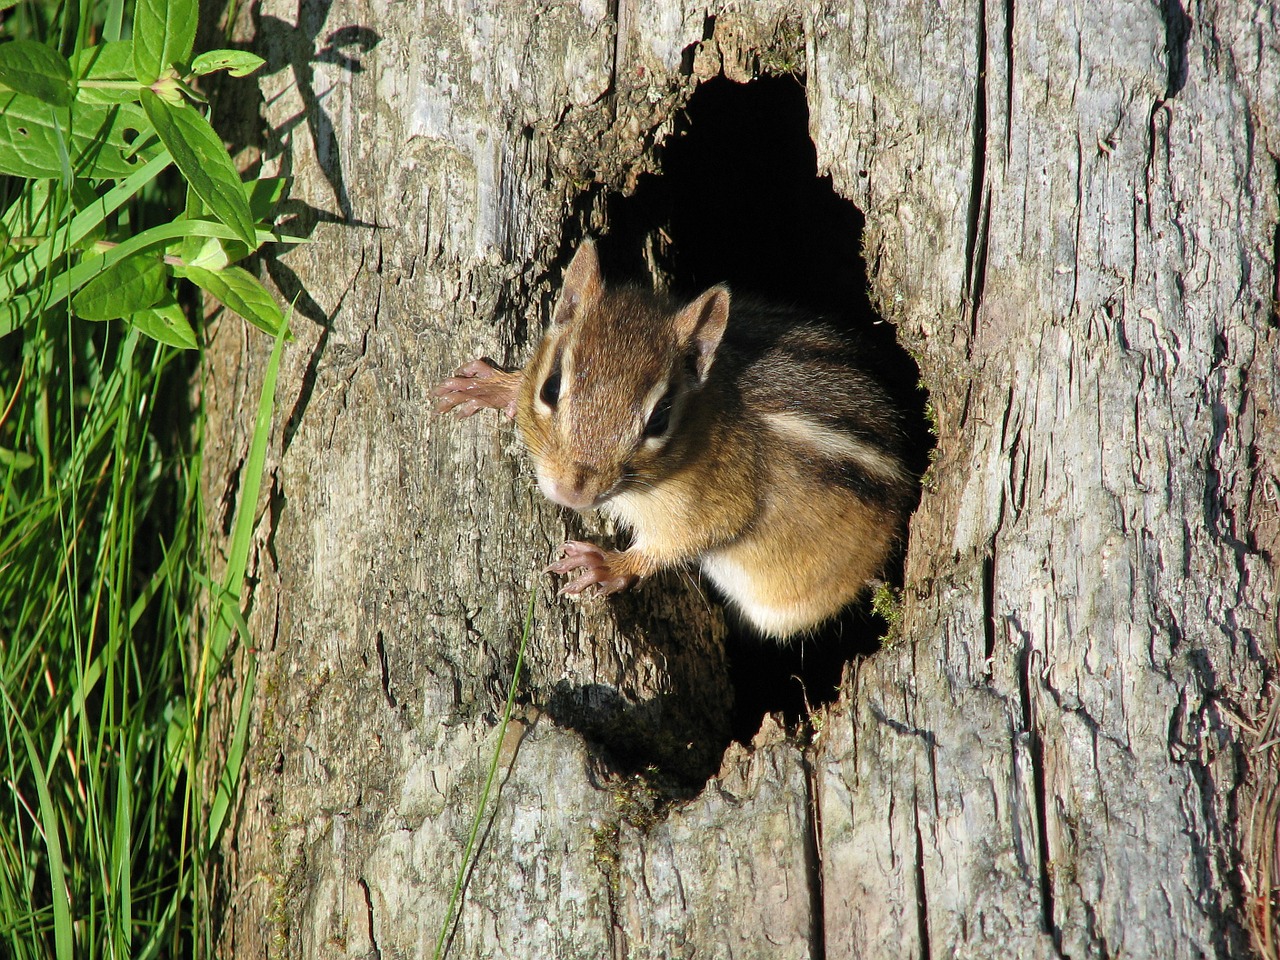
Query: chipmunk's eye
[660, 419]
[551, 388]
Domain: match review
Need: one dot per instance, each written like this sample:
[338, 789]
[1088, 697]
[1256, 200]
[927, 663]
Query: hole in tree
[739, 201]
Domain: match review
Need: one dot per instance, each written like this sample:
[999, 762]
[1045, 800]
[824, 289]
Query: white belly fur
[737, 586]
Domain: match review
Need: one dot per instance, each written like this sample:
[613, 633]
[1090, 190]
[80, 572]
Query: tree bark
[1071, 219]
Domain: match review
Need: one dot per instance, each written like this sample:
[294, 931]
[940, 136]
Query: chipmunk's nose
[577, 488]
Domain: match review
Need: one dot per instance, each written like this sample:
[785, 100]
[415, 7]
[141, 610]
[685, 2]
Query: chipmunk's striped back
[834, 487]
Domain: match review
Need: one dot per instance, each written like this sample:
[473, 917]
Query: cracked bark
[374, 949]
[1071, 219]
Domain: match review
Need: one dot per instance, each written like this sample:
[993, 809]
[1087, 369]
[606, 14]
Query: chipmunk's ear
[582, 285]
[701, 324]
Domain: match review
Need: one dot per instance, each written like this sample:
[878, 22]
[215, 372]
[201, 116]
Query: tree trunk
[1071, 221]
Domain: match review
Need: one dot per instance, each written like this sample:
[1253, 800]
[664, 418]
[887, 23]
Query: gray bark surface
[1071, 219]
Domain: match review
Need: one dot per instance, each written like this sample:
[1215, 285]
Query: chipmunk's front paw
[606, 570]
[478, 385]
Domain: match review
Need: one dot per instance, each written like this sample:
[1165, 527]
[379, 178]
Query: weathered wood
[1071, 219]
[1084, 610]
[730, 874]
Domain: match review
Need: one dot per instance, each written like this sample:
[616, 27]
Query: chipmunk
[748, 438]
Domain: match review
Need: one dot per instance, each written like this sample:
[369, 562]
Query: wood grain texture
[1071, 218]
[1085, 615]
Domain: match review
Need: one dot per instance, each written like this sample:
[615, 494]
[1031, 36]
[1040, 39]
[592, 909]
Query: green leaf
[265, 194]
[239, 63]
[107, 63]
[167, 323]
[212, 253]
[164, 33]
[200, 155]
[205, 252]
[104, 142]
[241, 291]
[133, 284]
[16, 459]
[36, 70]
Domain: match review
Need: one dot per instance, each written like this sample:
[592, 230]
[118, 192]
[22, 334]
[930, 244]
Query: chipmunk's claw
[475, 386]
[597, 570]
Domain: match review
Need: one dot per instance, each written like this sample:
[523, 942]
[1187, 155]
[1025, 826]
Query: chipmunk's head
[604, 395]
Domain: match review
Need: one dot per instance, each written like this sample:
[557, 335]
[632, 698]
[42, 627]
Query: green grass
[104, 653]
[445, 937]
[110, 621]
[98, 525]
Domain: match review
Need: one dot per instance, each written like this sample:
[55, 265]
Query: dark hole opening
[739, 200]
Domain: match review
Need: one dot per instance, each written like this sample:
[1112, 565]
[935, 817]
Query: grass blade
[237, 561]
[235, 758]
[69, 281]
[25, 270]
[242, 530]
[62, 932]
[483, 805]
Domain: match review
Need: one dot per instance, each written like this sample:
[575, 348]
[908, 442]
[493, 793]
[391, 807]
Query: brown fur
[781, 472]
